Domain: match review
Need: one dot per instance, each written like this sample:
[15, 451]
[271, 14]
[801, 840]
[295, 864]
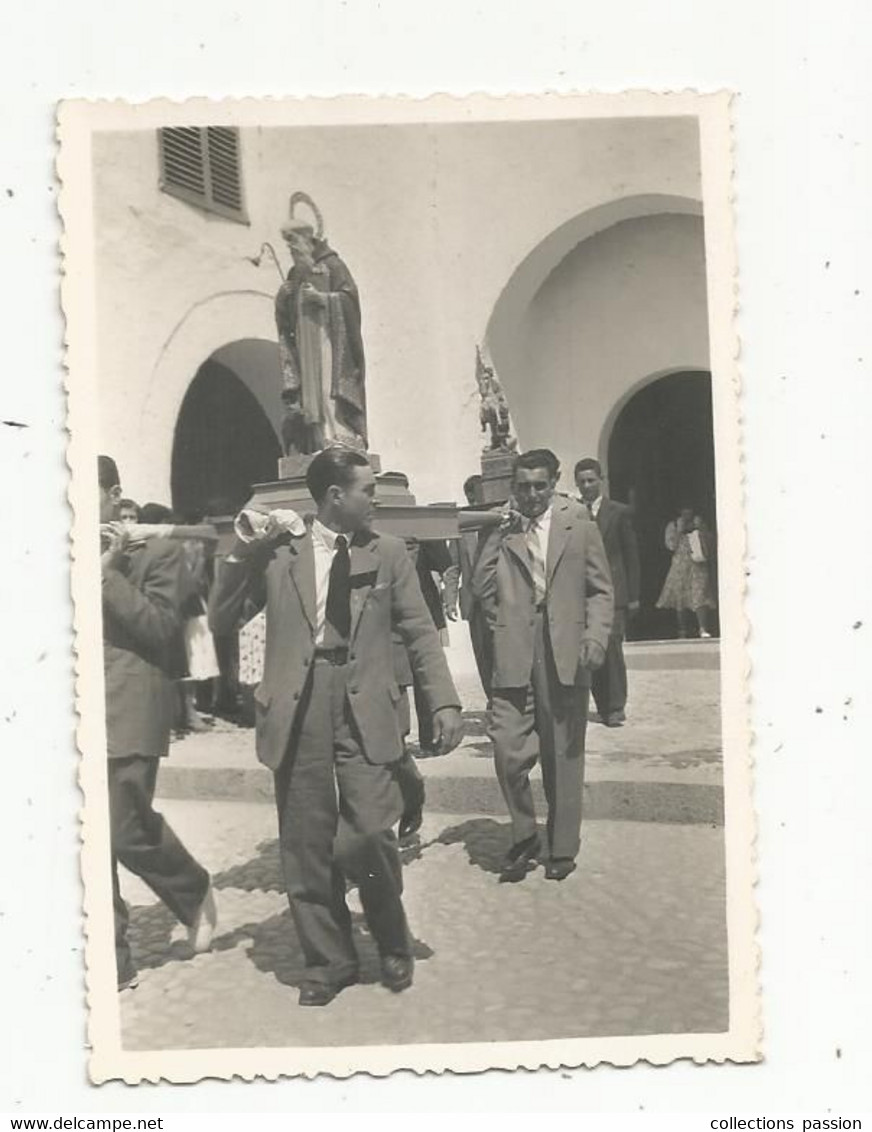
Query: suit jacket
[384, 592]
[580, 597]
[141, 629]
[615, 522]
[458, 579]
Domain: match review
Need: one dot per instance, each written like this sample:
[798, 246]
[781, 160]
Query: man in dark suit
[327, 720]
[543, 581]
[458, 591]
[615, 522]
[430, 556]
[143, 588]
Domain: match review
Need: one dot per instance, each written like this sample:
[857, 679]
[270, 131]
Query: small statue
[494, 411]
[320, 344]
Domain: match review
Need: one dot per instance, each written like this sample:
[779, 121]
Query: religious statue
[494, 411]
[320, 345]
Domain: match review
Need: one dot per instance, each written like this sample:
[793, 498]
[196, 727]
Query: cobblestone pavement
[633, 942]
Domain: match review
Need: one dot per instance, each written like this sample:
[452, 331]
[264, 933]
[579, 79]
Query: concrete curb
[686, 803]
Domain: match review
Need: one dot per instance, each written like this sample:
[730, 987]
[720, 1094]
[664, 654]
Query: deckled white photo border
[77, 122]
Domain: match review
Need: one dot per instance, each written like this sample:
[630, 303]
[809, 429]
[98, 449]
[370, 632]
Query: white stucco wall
[434, 221]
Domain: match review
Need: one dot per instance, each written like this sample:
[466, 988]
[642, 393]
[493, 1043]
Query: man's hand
[593, 655]
[512, 519]
[114, 538]
[633, 608]
[451, 612]
[447, 729]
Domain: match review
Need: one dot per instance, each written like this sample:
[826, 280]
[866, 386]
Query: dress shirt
[594, 507]
[324, 545]
[541, 524]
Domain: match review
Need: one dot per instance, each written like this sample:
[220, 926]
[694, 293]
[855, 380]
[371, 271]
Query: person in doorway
[615, 523]
[142, 594]
[327, 721]
[543, 580]
[459, 592]
[688, 588]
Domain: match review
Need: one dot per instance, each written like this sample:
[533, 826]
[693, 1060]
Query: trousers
[336, 811]
[482, 648]
[143, 842]
[609, 683]
[544, 721]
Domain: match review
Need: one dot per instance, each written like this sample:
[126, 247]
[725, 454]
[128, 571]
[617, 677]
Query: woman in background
[688, 587]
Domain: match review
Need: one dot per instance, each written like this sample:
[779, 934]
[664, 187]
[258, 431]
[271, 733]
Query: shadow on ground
[274, 946]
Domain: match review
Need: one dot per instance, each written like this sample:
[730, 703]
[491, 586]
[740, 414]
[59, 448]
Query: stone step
[686, 790]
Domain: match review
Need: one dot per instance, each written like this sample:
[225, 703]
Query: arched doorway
[223, 444]
[660, 457]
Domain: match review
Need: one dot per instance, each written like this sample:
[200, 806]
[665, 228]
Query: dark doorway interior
[223, 444]
[661, 457]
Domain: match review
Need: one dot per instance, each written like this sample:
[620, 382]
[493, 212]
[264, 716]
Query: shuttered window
[201, 165]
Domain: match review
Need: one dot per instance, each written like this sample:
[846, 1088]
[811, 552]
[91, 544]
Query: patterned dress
[688, 583]
[252, 645]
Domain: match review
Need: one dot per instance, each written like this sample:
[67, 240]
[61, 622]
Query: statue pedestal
[291, 467]
[497, 466]
[397, 512]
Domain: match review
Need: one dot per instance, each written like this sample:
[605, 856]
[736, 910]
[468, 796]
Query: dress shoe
[130, 983]
[397, 972]
[520, 859]
[559, 868]
[321, 994]
[202, 930]
[615, 719]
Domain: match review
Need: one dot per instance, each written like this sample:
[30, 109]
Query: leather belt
[338, 655]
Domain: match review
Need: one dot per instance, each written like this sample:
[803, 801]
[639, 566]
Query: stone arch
[532, 271]
[224, 441]
[627, 396]
[216, 326]
[617, 291]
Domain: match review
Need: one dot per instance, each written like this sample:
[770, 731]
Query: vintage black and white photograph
[408, 570]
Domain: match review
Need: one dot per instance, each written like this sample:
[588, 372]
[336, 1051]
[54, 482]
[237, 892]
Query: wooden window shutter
[201, 165]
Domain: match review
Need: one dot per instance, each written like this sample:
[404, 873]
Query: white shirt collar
[327, 536]
[541, 521]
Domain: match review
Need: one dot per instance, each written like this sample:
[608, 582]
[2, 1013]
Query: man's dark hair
[107, 473]
[472, 481]
[539, 458]
[333, 467]
[155, 513]
[588, 464]
[129, 504]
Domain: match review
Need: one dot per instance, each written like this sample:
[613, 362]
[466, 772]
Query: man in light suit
[543, 581]
[143, 588]
[615, 522]
[327, 722]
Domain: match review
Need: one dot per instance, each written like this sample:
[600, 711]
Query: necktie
[590, 510]
[338, 610]
[537, 560]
